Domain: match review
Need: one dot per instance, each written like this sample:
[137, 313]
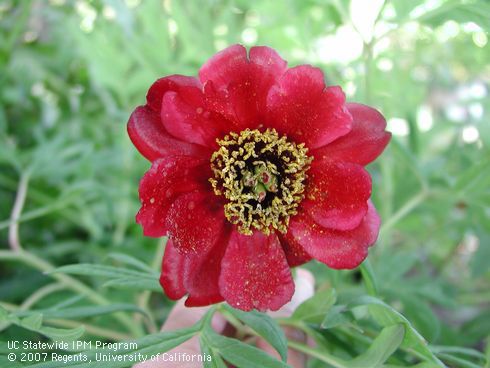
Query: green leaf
[62, 334]
[480, 262]
[463, 363]
[421, 316]
[460, 12]
[458, 350]
[313, 310]
[134, 283]
[215, 360]
[33, 322]
[239, 353]
[87, 269]
[404, 7]
[5, 362]
[158, 343]
[3, 314]
[420, 365]
[381, 348]
[385, 315]
[473, 174]
[131, 261]
[265, 326]
[369, 278]
[338, 315]
[83, 312]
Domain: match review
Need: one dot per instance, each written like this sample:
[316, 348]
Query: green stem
[38, 212]
[40, 198]
[40, 294]
[20, 199]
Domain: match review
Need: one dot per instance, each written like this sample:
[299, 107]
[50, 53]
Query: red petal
[202, 274]
[237, 87]
[295, 254]
[166, 180]
[268, 59]
[337, 249]
[163, 85]
[193, 274]
[184, 116]
[255, 273]
[337, 194]
[224, 66]
[301, 107]
[195, 222]
[364, 143]
[172, 276]
[147, 133]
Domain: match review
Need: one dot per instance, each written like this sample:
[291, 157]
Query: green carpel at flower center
[262, 176]
[260, 181]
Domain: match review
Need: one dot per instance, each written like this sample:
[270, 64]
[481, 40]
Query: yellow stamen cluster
[263, 178]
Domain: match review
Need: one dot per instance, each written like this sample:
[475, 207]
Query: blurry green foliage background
[72, 71]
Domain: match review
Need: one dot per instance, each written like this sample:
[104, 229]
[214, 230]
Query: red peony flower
[256, 168]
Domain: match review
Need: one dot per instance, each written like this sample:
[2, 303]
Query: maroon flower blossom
[256, 168]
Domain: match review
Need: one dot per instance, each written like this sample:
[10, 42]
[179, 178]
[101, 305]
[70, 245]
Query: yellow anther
[263, 178]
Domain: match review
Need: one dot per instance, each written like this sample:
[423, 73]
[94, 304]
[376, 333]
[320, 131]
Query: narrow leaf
[82, 312]
[385, 315]
[214, 360]
[314, 309]
[134, 284]
[131, 261]
[265, 326]
[369, 278]
[87, 269]
[338, 315]
[142, 349]
[381, 348]
[33, 322]
[241, 354]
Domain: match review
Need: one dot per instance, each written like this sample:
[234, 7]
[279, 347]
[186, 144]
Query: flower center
[263, 178]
